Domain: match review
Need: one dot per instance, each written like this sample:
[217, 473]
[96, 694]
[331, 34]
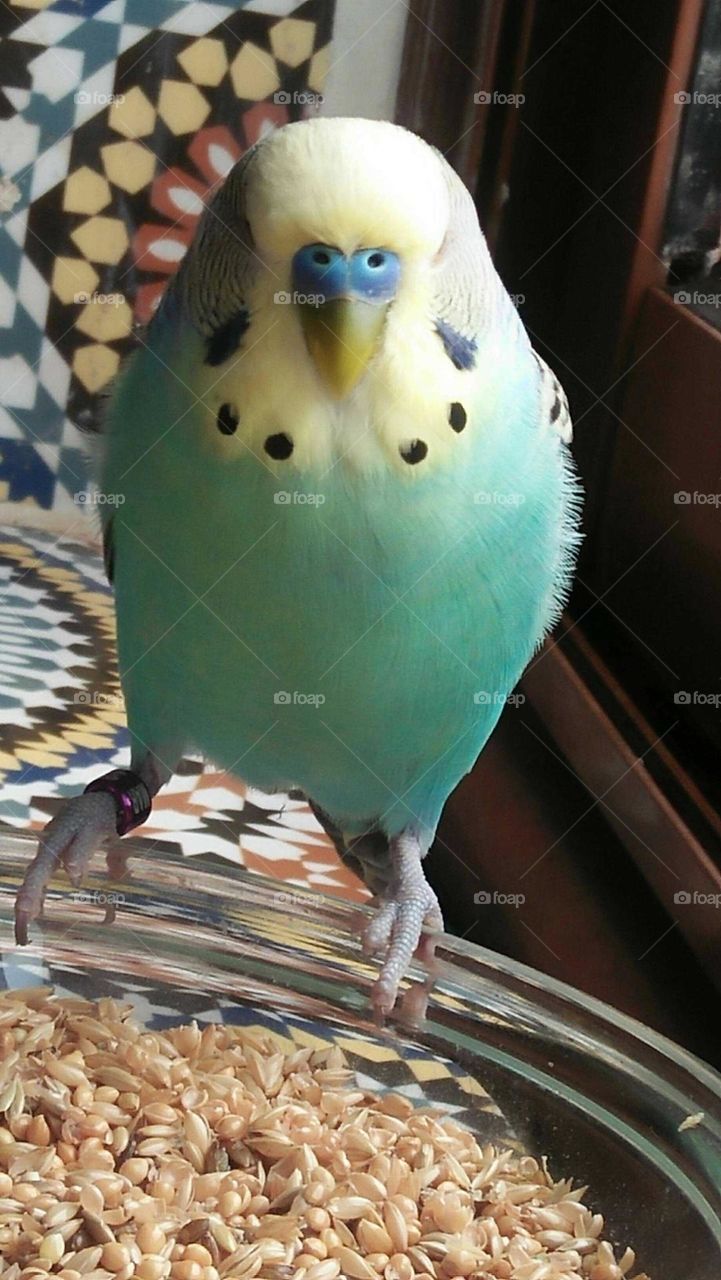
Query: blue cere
[374, 274]
[321, 270]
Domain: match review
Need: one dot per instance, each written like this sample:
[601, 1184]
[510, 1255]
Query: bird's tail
[367, 855]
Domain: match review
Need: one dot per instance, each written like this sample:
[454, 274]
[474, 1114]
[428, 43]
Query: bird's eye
[321, 257]
[376, 260]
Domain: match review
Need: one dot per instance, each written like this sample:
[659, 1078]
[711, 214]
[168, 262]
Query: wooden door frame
[596, 723]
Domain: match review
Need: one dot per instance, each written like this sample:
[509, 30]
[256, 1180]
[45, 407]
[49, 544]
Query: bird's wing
[553, 408]
[469, 300]
[213, 281]
[210, 288]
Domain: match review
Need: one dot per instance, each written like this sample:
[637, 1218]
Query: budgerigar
[342, 514]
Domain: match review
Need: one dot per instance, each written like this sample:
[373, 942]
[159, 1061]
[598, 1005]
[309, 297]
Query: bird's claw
[69, 840]
[396, 928]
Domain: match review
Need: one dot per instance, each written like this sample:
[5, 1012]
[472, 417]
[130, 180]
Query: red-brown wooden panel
[661, 553]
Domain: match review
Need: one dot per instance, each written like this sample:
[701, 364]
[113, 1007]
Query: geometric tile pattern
[116, 121]
[62, 723]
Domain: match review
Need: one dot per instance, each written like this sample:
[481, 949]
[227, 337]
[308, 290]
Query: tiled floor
[62, 723]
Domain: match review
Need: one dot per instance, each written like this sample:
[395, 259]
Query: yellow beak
[342, 335]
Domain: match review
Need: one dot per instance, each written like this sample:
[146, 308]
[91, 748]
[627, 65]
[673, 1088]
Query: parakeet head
[344, 210]
[340, 278]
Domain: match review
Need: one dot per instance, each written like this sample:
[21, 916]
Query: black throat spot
[279, 446]
[227, 419]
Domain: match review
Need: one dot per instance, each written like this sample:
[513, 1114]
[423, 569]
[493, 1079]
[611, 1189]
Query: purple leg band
[132, 798]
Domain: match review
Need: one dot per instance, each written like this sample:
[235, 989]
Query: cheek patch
[225, 341]
[461, 351]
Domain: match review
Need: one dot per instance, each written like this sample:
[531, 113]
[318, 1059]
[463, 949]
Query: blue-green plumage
[343, 511]
[404, 613]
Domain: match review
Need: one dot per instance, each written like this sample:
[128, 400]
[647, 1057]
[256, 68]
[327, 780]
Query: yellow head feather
[348, 183]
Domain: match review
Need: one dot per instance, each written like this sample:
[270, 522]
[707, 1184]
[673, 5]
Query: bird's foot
[396, 928]
[69, 840]
[110, 806]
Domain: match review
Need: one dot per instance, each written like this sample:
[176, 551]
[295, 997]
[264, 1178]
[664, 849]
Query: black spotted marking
[279, 446]
[224, 342]
[457, 416]
[228, 419]
[556, 409]
[414, 452]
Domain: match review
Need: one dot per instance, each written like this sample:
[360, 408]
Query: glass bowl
[518, 1057]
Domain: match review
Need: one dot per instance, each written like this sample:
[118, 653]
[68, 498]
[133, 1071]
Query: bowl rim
[210, 871]
[482, 1007]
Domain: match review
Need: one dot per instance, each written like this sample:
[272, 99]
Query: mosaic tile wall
[117, 117]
